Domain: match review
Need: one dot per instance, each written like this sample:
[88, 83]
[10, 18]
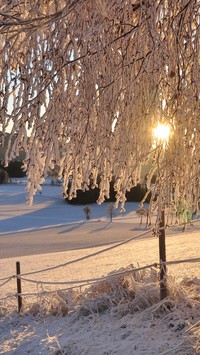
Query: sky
[118, 315]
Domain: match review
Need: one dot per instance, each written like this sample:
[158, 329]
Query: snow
[104, 318]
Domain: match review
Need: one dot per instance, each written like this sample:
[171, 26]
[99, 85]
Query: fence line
[103, 278]
[77, 282]
[94, 254]
[87, 282]
[194, 260]
[7, 280]
[183, 223]
[90, 255]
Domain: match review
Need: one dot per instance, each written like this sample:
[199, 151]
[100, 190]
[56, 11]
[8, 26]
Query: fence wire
[85, 282]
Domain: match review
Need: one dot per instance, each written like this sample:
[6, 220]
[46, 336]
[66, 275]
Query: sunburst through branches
[70, 69]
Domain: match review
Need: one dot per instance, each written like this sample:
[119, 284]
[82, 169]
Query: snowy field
[119, 315]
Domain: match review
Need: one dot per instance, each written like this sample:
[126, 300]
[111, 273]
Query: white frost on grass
[125, 317]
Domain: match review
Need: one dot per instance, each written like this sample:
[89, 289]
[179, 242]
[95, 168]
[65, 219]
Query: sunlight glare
[161, 132]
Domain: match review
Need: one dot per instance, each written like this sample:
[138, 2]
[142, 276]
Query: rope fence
[90, 255]
[103, 278]
[6, 280]
[19, 277]
[86, 282]
[176, 225]
[194, 260]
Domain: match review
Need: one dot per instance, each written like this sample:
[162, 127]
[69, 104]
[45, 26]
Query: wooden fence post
[19, 287]
[162, 252]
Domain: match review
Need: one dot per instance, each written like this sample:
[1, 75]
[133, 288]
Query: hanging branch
[84, 82]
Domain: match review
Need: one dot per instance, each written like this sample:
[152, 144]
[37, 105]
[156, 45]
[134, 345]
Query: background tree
[87, 212]
[3, 176]
[110, 211]
[14, 169]
[90, 80]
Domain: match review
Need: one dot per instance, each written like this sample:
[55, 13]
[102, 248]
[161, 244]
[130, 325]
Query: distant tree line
[136, 194]
[13, 170]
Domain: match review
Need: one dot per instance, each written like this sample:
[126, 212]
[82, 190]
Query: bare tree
[87, 212]
[89, 80]
[110, 211]
[144, 212]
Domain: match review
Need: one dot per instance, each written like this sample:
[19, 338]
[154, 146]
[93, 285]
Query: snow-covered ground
[118, 315]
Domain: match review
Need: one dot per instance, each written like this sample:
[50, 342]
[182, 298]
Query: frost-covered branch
[89, 80]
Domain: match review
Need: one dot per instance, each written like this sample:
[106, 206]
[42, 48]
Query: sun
[161, 132]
